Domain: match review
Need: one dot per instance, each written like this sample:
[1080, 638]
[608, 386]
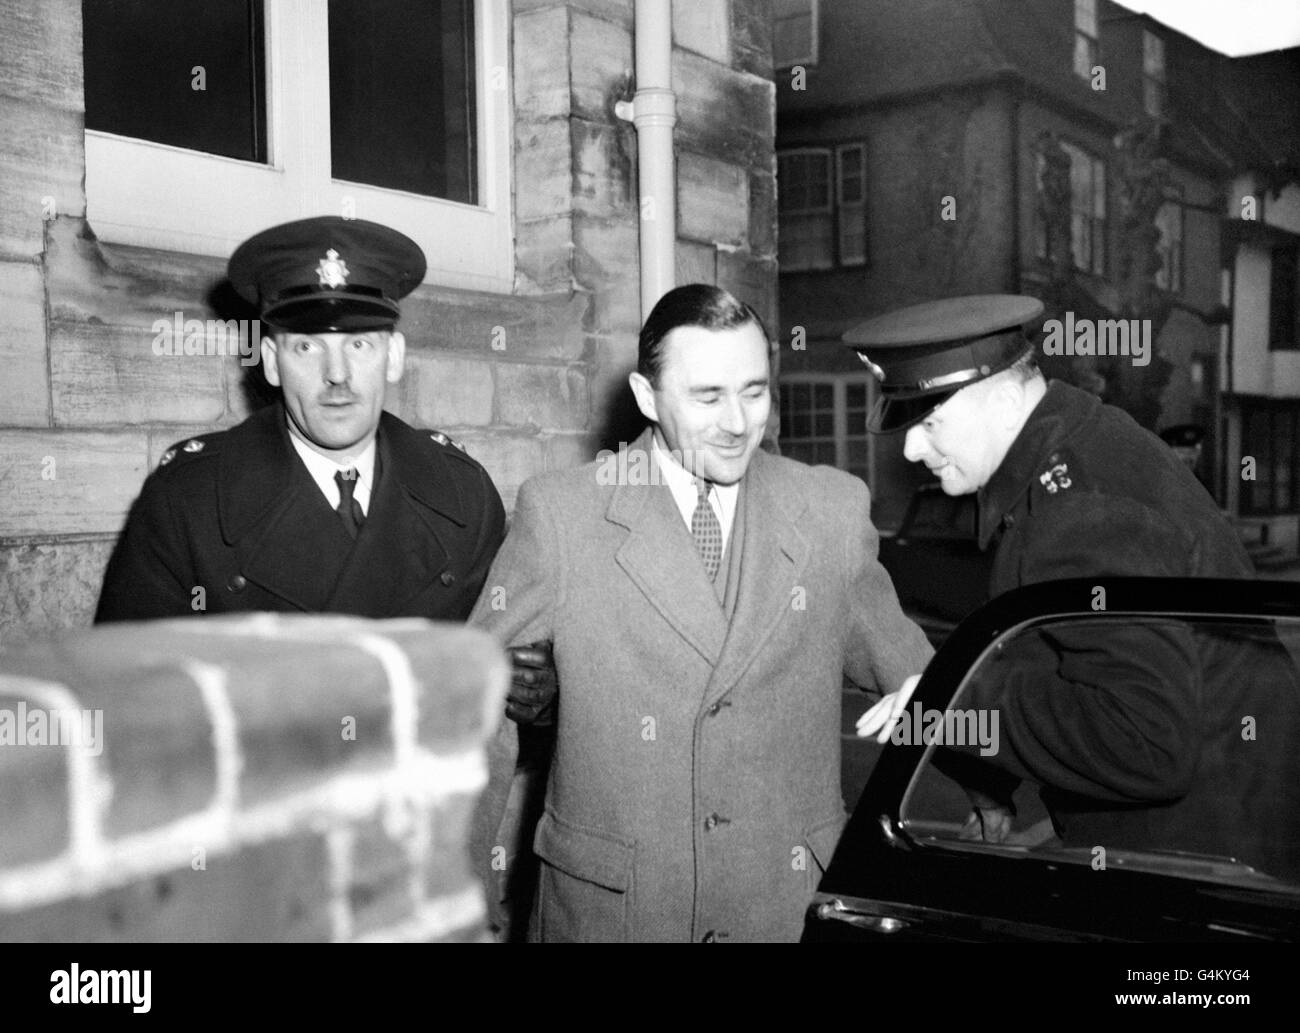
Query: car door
[1144, 731]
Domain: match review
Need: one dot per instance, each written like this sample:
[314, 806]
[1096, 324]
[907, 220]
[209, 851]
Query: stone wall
[527, 381]
[245, 778]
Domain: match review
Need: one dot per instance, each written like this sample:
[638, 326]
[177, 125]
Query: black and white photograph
[483, 472]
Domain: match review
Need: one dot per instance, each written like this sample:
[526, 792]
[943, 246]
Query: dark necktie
[706, 530]
[349, 509]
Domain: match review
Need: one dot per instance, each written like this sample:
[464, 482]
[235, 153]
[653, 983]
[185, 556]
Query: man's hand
[884, 714]
[991, 824]
[533, 685]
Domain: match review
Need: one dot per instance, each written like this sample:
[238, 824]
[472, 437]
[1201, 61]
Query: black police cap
[924, 354]
[327, 274]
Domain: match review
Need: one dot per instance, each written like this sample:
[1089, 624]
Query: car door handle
[835, 910]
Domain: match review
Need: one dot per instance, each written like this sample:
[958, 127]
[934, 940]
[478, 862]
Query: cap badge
[1055, 479]
[876, 371]
[332, 270]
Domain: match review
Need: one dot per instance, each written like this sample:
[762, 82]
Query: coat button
[237, 583]
[711, 822]
[709, 937]
[448, 578]
[1009, 520]
[714, 710]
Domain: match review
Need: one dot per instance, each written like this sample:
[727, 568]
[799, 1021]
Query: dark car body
[892, 877]
[934, 559]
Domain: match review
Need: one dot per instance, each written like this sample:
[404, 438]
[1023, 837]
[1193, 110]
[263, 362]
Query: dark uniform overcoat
[236, 515]
[1136, 736]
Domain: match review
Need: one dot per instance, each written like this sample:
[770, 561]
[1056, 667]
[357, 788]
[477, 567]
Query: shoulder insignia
[443, 439]
[1055, 478]
[167, 457]
[194, 445]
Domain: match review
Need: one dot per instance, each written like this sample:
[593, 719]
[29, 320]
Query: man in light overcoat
[704, 600]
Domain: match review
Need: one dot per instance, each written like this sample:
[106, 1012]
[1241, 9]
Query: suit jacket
[695, 787]
[236, 514]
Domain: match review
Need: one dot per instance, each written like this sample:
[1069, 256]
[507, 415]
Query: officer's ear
[1008, 401]
[271, 361]
[644, 392]
[396, 357]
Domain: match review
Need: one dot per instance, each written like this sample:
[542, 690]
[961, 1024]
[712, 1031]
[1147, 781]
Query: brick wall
[528, 381]
[249, 778]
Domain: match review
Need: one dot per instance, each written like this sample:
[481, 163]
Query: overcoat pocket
[585, 884]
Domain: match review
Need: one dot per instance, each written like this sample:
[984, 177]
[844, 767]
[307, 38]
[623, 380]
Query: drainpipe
[653, 110]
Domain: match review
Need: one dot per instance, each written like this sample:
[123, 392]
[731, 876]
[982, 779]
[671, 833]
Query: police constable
[322, 502]
[1109, 723]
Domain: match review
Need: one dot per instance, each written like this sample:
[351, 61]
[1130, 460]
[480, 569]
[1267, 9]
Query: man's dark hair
[695, 304]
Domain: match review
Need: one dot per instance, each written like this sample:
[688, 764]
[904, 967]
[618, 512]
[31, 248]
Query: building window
[1154, 89]
[205, 90]
[1283, 315]
[1087, 210]
[391, 111]
[851, 203]
[1169, 221]
[824, 420]
[1085, 37]
[1268, 435]
[822, 207]
[794, 32]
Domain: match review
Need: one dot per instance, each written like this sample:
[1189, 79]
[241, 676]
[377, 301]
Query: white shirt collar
[681, 482]
[323, 469]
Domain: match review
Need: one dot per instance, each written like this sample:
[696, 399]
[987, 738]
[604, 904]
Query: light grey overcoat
[695, 788]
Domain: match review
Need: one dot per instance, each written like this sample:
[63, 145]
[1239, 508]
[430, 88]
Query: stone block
[69, 483]
[546, 397]
[541, 66]
[25, 401]
[695, 263]
[712, 200]
[446, 392]
[49, 586]
[703, 26]
[601, 69]
[724, 113]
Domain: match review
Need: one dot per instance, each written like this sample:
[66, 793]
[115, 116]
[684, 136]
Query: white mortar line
[339, 842]
[211, 681]
[89, 789]
[431, 778]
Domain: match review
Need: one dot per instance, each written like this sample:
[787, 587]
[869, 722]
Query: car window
[1121, 741]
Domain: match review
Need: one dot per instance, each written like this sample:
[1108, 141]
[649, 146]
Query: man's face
[712, 399]
[333, 383]
[960, 441]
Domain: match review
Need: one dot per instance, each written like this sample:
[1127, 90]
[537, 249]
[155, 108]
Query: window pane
[1283, 457]
[189, 73]
[1072, 784]
[792, 32]
[402, 112]
[805, 242]
[856, 398]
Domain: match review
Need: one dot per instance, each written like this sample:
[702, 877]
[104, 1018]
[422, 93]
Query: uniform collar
[1054, 418]
[259, 468]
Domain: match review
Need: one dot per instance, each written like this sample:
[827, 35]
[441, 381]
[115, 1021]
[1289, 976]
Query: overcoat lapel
[268, 514]
[399, 551]
[775, 555]
[659, 557]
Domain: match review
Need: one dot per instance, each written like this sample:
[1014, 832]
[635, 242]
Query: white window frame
[840, 408]
[155, 195]
[847, 210]
[1155, 80]
[827, 210]
[814, 7]
[1085, 11]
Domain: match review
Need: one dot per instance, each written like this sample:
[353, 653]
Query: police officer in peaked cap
[322, 502]
[1069, 487]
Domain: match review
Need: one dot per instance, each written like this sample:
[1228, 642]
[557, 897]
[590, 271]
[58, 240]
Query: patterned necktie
[349, 509]
[706, 530]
